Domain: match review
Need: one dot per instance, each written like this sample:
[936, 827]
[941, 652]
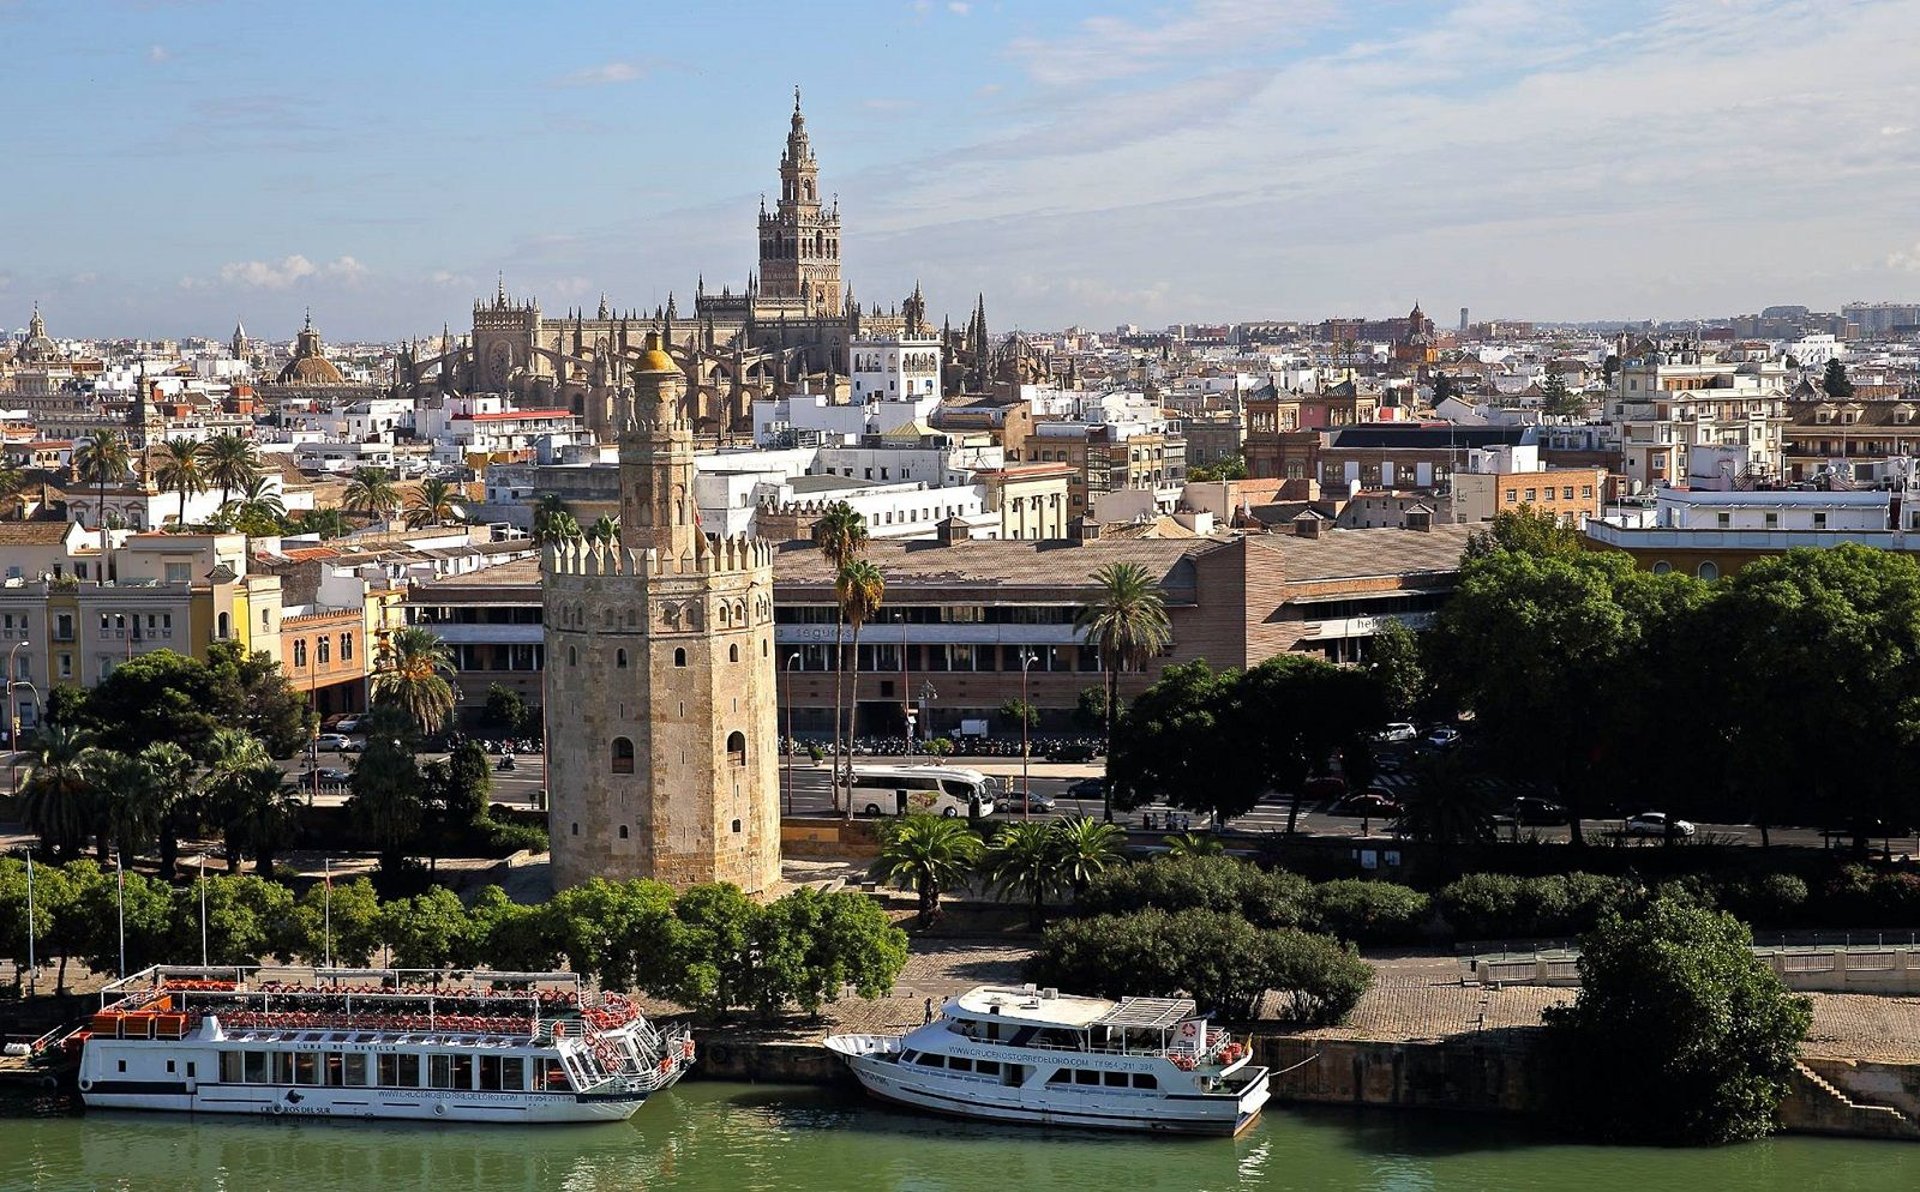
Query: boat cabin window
[499, 1073]
[450, 1070]
[908, 1056]
[1086, 1076]
[1061, 1076]
[399, 1071]
[552, 1074]
[282, 1064]
[1145, 1080]
[356, 1069]
[1114, 1080]
[927, 1059]
[987, 1067]
[959, 1063]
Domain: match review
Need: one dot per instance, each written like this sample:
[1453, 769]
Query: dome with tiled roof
[310, 365]
[37, 347]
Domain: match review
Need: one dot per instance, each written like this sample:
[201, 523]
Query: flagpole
[203, 908]
[326, 902]
[120, 884]
[33, 968]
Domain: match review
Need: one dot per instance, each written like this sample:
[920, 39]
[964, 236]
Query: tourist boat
[1034, 1056]
[374, 1043]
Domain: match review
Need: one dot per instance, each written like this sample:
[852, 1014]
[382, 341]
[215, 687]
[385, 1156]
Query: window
[354, 1069]
[927, 1059]
[620, 659]
[1723, 520]
[346, 647]
[1512, 493]
[622, 758]
[959, 1063]
[179, 573]
[323, 651]
[1085, 1076]
[737, 748]
[1661, 567]
[573, 656]
[224, 630]
[300, 652]
[440, 1071]
[1530, 496]
[1773, 521]
[1566, 494]
[679, 657]
[231, 1070]
[1708, 570]
[1114, 1080]
[1819, 521]
[733, 652]
[623, 831]
[1586, 491]
[1145, 1080]
[256, 1067]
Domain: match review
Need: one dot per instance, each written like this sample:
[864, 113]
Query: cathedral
[791, 323]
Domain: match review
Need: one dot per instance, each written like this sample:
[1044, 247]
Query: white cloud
[599, 76]
[1907, 259]
[1103, 48]
[159, 53]
[959, 8]
[278, 275]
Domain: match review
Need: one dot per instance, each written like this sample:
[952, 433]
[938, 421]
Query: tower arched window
[733, 652]
[680, 657]
[225, 629]
[323, 652]
[299, 651]
[620, 659]
[737, 748]
[621, 755]
[573, 656]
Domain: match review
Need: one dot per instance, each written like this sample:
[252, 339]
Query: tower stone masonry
[662, 758]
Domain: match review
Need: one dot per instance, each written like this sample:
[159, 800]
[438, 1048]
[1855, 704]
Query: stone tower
[800, 240]
[662, 757]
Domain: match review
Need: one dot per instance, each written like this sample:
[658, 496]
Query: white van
[937, 790]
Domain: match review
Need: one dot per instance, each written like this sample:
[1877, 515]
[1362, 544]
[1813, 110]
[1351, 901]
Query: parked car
[1534, 812]
[1657, 823]
[334, 742]
[1397, 732]
[1368, 803]
[347, 724]
[1327, 786]
[1443, 737]
[1072, 751]
[1015, 801]
[1088, 788]
[330, 775]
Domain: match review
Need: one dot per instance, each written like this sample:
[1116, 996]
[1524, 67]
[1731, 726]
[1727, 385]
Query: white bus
[938, 790]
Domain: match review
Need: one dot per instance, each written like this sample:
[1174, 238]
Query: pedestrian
[929, 1017]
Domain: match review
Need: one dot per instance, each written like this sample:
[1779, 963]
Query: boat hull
[432, 1105]
[1192, 1115]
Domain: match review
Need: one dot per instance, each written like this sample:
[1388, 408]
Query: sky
[172, 165]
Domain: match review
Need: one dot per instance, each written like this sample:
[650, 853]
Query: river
[741, 1138]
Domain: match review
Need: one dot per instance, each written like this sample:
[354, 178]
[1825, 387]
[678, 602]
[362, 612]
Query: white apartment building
[1666, 402]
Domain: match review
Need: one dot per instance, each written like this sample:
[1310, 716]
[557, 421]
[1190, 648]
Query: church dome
[38, 347]
[655, 358]
[310, 365]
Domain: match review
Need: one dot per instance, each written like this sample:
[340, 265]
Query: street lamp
[792, 658]
[1027, 659]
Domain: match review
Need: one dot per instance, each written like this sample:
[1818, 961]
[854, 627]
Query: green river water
[727, 1137]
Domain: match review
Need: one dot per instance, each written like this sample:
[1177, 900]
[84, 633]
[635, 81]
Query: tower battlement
[581, 559]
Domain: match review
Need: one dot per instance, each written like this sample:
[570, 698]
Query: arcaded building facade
[663, 754]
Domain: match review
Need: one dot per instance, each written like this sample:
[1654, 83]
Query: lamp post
[792, 658]
[927, 696]
[1027, 659]
[13, 717]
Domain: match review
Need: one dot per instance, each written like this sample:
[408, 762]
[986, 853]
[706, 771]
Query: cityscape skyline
[1215, 160]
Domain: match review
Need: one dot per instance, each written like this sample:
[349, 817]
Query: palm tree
[552, 521]
[1024, 861]
[412, 676]
[259, 506]
[1446, 806]
[128, 810]
[841, 535]
[328, 523]
[179, 469]
[927, 853]
[1194, 844]
[1127, 624]
[238, 769]
[179, 802]
[1087, 847]
[104, 459]
[57, 794]
[372, 492]
[606, 528]
[858, 591]
[262, 820]
[231, 462]
[434, 503]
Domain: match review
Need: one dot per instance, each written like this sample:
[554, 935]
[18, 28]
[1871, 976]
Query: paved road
[809, 796]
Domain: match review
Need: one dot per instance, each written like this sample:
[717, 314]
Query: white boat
[1034, 1056]
[374, 1043]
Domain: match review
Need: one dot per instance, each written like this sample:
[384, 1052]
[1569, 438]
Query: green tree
[1835, 381]
[1126, 623]
[244, 914]
[1444, 387]
[1447, 805]
[506, 708]
[553, 521]
[1088, 848]
[239, 787]
[327, 523]
[1556, 400]
[251, 692]
[623, 933]
[99, 896]
[153, 697]
[507, 935]
[1024, 861]
[1234, 467]
[372, 493]
[717, 943]
[412, 675]
[179, 469]
[841, 535]
[469, 784]
[1394, 660]
[842, 940]
[13, 914]
[58, 795]
[1679, 1034]
[1526, 531]
[435, 503]
[60, 928]
[927, 854]
[1194, 844]
[1295, 713]
[230, 462]
[259, 509]
[341, 918]
[386, 801]
[1370, 912]
[171, 771]
[103, 459]
[428, 930]
[858, 590]
[1265, 898]
[1090, 709]
[1020, 712]
[1171, 745]
[605, 528]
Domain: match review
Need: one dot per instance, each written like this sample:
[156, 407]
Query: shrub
[1485, 906]
[1175, 883]
[1678, 1034]
[1369, 912]
[1771, 899]
[1222, 960]
[1864, 897]
[1501, 906]
[503, 839]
